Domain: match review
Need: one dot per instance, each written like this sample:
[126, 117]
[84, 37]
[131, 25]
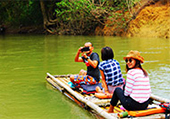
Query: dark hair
[107, 53]
[137, 65]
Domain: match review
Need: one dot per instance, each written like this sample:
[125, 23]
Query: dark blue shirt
[94, 72]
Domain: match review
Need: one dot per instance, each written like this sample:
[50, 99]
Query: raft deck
[95, 105]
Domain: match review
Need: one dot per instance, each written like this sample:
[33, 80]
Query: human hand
[79, 50]
[84, 55]
[107, 92]
[109, 95]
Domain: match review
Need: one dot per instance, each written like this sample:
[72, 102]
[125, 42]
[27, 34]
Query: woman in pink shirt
[137, 89]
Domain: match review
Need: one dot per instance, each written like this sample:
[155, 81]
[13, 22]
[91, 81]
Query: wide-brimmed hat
[134, 55]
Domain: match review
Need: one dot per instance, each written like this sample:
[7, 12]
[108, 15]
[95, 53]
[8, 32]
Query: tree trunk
[45, 19]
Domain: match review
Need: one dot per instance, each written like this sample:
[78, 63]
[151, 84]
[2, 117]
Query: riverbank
[25, 30]
[152, 21]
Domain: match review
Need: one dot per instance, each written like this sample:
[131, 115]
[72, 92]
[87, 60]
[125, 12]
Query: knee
[117, 89]
[82, 72]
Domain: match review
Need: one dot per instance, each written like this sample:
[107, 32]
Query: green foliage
[18, 12]
[72, 10]
[75, 15]
[84, 15]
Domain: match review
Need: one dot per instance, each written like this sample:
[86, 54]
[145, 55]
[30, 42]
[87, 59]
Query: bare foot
[111, 108]
[98, 90]
[110, 111]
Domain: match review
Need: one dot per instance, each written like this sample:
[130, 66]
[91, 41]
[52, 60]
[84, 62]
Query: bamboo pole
[159, 99]
[54, 85]
[87, 102]
[65, 83]
[101, 102]
[97, 101]
[154, 97]
[62, 90]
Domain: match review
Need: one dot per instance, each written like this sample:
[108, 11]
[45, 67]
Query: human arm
[93, 62]
[77, 58]
[129, 84]
[104, 82]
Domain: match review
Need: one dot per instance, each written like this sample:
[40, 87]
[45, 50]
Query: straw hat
[134, 55]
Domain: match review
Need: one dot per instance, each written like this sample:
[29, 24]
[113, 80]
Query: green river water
[25, 60]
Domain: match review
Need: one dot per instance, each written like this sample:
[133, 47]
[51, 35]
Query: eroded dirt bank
[152, 21]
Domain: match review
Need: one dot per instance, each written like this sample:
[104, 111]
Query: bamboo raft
[95, 105]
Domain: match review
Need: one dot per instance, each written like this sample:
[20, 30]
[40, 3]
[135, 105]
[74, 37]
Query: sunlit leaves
[82, 14]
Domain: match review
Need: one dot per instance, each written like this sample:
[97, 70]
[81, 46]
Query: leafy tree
[66, 16]
[19, 12]
[82, 16]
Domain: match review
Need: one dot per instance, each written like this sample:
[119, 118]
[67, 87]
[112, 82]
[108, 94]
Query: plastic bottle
[123, 114]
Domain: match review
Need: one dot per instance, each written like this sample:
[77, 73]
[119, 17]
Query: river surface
[25, 60]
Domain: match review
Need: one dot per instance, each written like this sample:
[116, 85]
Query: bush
[82, 16]
[21, 12]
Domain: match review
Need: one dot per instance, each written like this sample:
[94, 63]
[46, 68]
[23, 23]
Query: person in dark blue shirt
[91, 59]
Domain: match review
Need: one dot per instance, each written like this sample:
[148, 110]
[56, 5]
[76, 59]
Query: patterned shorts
[81, 79]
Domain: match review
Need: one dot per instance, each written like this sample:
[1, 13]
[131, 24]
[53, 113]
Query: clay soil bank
[152, 21]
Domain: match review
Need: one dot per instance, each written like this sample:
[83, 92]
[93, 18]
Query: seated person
[137, 89]
[110, 72]
[91, 59]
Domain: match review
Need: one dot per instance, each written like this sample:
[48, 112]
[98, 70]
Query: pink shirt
[137, 86]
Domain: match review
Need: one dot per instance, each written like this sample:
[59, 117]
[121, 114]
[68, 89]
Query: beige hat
[134, 55]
